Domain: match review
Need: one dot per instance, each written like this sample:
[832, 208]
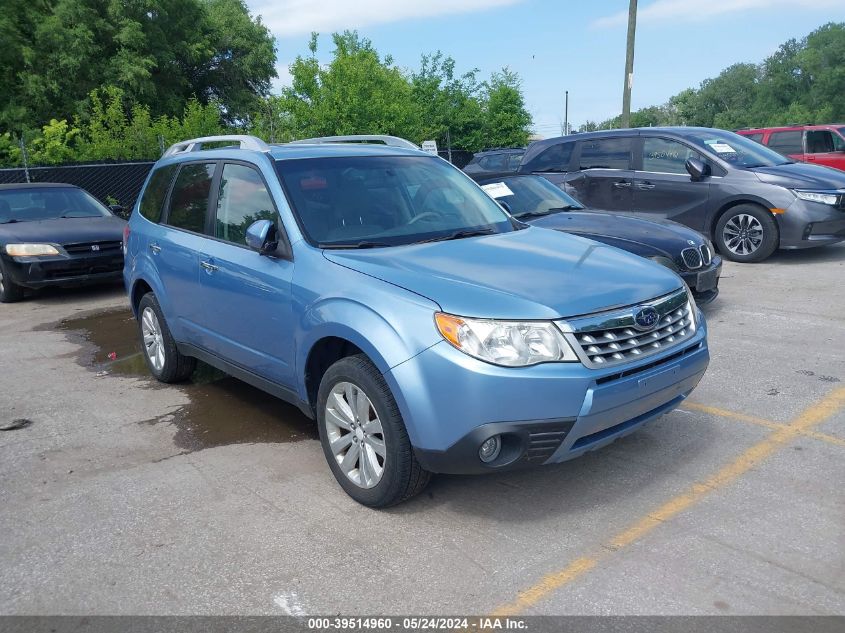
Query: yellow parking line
[814, 415]
[770, 424]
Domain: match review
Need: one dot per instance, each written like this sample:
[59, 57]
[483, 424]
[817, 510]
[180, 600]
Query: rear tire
[9, 291]
[363, 436]
[747, 233]
[157, 345]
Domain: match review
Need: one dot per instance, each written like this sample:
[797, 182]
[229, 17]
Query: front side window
[552, 159]
[824, 142]
[606, 153]
[665, 156]
[48, 203]
[243, 199]
[156, 191]
[189, 200]
[786, 142]
[371, 201]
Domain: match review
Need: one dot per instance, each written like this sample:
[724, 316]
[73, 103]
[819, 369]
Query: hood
[660, 234]
[64, 230]
[526, 274]
[801, 176]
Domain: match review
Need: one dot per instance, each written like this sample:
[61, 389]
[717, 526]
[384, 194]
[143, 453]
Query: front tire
[157, 345]
[9, 291]
[363, 435]
[747, 233]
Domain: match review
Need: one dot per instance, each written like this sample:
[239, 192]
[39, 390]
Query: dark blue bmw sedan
[55, 235]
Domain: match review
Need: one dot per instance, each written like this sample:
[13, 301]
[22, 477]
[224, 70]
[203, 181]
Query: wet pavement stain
[222, 409]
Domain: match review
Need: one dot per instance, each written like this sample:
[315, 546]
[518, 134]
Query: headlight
[507, 343]
[817, 196]
[30, 250]
[693, 311]
[665, 261]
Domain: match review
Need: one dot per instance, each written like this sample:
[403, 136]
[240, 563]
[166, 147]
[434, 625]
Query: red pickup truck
[819, 144]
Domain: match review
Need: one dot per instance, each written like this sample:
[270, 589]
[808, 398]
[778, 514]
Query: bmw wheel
[363, 435]
[747, 233]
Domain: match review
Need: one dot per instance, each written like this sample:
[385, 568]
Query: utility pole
[566, 115]
[629, 64]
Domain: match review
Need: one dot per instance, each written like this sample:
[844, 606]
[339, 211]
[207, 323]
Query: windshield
[370, 201]
[530, 195]
[735, 149]
[30, 205]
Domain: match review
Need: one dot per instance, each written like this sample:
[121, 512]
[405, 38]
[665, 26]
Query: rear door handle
[155, 248]
[209, 266]
[622, 184]
[645, 185]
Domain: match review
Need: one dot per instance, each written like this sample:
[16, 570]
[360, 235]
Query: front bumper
[64, 270]
[807, 224]
[546, 414]
[704, 282]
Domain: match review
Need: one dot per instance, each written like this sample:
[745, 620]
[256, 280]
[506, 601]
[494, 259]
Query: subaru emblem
[646, 317]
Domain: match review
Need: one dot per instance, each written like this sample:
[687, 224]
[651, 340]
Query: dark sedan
[535, 200]
[55, 235]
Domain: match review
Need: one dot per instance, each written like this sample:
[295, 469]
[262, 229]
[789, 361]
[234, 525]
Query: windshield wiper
[361, 244]
[457, 235]
[9, 221]
[550, 210]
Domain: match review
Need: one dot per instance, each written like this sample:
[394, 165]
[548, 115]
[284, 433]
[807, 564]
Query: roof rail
[195, 144]
[385, 139]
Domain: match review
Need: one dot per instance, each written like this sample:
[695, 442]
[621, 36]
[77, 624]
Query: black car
[495, 161]
[536, 201]
[56, 234]
[749, 199]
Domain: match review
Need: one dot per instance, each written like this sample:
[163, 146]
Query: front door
[604, 178]
[664, 189]
[248, 317]
[825, 147]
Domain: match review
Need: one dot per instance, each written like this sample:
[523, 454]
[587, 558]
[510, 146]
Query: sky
[557, 45]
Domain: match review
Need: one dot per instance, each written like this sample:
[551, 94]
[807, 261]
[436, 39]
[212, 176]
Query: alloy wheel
[743, 234]
[153, 340]
[355, 434]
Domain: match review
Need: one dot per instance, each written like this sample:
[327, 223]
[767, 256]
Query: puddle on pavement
[222, 409]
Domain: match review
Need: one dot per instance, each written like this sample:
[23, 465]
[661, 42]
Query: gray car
[748, 198]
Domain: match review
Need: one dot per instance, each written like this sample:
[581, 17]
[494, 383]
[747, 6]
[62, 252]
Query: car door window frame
[215, 179]
[639, 155]
[213, 198]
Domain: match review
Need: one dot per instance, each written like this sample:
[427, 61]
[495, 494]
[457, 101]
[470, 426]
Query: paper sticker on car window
[497, 190]
[720, 147]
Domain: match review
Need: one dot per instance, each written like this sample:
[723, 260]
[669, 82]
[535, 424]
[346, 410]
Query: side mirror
[697, 169]
[261, 237]
[119, 210]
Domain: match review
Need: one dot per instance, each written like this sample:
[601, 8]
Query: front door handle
[209, 266]
[622, 184]
[155, 248]
[645, 185]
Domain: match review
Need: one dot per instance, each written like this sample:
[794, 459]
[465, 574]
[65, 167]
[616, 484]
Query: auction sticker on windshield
[497, 190]
[720, 147]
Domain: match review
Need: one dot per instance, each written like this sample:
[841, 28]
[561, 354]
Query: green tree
[506, 121]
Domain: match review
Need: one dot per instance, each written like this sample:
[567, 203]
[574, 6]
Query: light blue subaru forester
[386, 295]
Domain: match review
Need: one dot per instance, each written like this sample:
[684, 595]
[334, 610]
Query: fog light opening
[490, 449]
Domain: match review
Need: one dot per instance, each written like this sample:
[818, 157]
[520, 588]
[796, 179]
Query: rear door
[604, 178]
[825, 147]
[248, 318]
[176, 249]
[788, 142]
[662, 186]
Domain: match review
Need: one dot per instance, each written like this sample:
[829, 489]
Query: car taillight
[125, 239]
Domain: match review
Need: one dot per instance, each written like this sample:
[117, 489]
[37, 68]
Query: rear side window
[242, 200]
[606, 153]
[153, 199]
[757, 138]
[786, 142]
[554, 158]
[189, 200]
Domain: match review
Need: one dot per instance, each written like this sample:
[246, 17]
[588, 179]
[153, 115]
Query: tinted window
[189, 200]
[606, 153]
[554, 158]
[786, 142]
[48, 203]
[662, 155]
[153, 198]
[242, 200]
[824, 141]
[385, 201]
[757, 138]
[513, 161]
